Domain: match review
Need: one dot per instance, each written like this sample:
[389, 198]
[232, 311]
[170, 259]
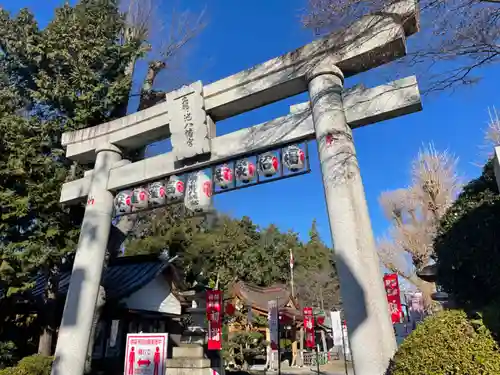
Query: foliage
[243, 347]
[456, 38]
[33, 365]
[67, 76]
[467, 246]
[225, 250]
[6, 350]
[414, 213]
[448, 343]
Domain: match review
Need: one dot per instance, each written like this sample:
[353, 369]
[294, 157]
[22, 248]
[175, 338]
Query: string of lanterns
[197, 189]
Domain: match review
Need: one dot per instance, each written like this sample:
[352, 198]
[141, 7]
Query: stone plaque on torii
[189, 117]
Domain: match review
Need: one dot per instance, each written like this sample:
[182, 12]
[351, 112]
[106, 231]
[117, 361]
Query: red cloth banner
[214, 317]
[309, 327]
[393, 297]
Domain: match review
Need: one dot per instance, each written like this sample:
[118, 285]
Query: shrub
[448, 343]
[32, 365]
[467, 246]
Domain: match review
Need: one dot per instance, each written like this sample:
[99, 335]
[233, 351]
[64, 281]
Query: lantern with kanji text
[198, 197]
[123, 202]
[157, 193]
[293, 158]
[244, 170]
[140, 199]
[174, 189]
[223, 176]
[268, 164]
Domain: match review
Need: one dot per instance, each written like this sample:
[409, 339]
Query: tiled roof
[123, 276]
[259, 297]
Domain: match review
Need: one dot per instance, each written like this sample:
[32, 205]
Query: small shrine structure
[256, 299]
[244, 295]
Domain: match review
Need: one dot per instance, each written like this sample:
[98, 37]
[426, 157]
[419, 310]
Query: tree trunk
[101, 301]
[50, 304]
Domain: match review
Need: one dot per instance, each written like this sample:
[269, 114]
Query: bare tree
[492, 133]
[457, 36]
[414, 213]
[162, 38]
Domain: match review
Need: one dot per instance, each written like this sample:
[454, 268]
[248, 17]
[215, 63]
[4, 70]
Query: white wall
[155, 296]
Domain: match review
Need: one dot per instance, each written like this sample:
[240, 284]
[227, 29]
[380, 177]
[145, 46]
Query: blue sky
[241, 34]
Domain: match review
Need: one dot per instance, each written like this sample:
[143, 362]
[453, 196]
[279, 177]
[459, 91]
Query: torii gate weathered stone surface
[329, 117]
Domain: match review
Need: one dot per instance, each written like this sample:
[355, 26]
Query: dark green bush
[32, 365]
[448, 343]
[467, 247]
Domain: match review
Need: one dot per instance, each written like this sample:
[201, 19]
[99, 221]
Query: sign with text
[214, 317]
[188, 121]
[272, 308]
[393, 297]
[146, 354]
[309, 327]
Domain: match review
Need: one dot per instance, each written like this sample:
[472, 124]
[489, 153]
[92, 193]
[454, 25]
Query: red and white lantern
[140, 199]
[223, 176]
[198, 196]
[157, 194]
[174, 189]
[268, 164]
[123, 202]
[293, 158]
[244, 170]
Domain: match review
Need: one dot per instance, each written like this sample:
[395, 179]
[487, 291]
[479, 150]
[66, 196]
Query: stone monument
[189, 117]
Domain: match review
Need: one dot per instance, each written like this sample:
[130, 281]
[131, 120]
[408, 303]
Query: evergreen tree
[316, 275]
[68, 76]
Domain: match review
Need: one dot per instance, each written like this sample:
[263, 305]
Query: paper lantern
[123, 203]
[140, 199]
[244, 171]
[157, 194]
[293, 158]
[230, 309]
[223, 176]
[268, 164]
[198, 196]
[174, 189]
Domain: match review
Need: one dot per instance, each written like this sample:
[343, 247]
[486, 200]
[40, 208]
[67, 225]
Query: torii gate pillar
[371, 334]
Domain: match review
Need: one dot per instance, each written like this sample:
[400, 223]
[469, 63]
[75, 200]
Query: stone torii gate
[329, 117]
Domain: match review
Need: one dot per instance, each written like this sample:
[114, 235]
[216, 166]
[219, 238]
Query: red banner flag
[393, 297]
[309, 327]
[214, 317]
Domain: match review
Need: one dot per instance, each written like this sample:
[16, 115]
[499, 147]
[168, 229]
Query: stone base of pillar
[188, 359]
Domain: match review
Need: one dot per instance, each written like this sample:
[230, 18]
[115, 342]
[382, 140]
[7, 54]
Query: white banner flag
[272, 308]
[336, 328]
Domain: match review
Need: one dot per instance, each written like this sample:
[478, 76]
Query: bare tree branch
[457, 36]
[415, 212]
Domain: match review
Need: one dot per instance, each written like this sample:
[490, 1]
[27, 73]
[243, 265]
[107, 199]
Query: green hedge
[33, 365]
[467, 247]
[448, 343]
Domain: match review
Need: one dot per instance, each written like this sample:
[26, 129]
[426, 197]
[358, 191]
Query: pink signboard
[146, 354]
